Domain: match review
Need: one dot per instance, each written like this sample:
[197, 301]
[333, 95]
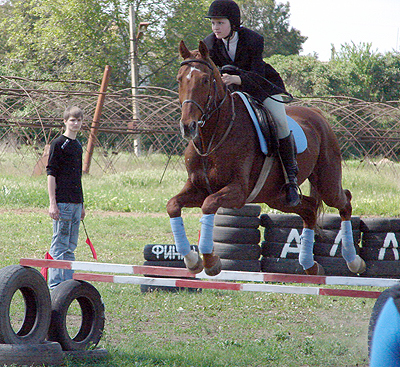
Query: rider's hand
[231, 79]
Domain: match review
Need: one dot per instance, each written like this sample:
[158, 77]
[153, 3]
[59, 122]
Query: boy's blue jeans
[65, 240]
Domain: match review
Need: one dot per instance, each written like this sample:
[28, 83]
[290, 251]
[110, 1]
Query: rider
[232, 44]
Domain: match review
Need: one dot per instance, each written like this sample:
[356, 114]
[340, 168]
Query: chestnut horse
[224, 160]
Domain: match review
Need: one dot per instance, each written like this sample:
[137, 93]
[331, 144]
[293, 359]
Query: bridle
[211, 107]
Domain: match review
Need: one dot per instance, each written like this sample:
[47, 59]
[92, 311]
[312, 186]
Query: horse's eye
[206, 80]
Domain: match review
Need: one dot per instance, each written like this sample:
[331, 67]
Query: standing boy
[64, 174]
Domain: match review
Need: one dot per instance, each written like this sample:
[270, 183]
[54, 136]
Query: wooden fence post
[96, 120]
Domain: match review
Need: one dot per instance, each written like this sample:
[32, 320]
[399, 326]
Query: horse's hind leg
[334, 195]
[354, 262]
[307, 209]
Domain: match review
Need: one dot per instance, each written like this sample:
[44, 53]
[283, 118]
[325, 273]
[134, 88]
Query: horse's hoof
[357, 266]
[316, 269]
[212, 264]
[193, 262]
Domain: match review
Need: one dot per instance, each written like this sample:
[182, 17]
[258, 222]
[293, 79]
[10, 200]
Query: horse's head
[199, 85]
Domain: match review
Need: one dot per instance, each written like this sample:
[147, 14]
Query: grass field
[126, 211]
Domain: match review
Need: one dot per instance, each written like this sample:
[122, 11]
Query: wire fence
[31, 117]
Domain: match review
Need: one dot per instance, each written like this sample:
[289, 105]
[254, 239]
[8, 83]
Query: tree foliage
[272, 21]
[355, 71]
[77, 38]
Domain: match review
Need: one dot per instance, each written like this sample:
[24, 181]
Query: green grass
[126, 211]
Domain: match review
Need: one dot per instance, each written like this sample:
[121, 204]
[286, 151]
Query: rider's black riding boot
[287, 151]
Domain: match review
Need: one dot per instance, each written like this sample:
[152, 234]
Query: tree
[272, 21]
[75, 39]
[65, 40]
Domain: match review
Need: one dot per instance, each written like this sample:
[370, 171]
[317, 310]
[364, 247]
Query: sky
[338, 22]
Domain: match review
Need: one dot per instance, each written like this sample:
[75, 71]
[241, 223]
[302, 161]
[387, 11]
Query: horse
[223, 160]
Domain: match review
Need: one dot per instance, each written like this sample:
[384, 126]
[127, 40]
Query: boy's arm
[53, 208]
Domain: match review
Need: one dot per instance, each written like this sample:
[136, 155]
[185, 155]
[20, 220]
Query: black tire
[329, 235]
[236, 221]
[333, 221]
[274, 250]
[281, 220]
[376, 310]
[249, 210]
[382, 269]
[47, 353]
[36, 296]
[280, 235]
[373, 253]
[92, 310]
[377, 239]
[171, 264]
[335, 266]
[157, 252]
[271, 249]
[236, 235]
[285, 266]
[237, 251]
[241, 265]
[380, 225]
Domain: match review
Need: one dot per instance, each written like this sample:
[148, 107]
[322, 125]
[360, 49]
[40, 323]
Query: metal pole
[134, 75]
[96, 120]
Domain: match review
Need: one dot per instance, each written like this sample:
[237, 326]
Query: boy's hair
[73, 111]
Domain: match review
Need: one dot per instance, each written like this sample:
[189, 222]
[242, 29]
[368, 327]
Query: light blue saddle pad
[298, 133]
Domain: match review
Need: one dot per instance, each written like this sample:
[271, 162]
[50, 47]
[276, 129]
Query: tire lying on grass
[92, 315]
[36, 297]
[47, 353]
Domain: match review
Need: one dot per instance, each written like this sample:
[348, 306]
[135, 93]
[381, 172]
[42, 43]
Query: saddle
[266, 123]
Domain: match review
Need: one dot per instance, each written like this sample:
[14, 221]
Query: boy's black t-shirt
[65, 164]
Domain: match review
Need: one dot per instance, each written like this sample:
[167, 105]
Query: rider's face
[221, 27]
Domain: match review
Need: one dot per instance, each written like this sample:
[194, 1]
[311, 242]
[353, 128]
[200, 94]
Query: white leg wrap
[306, 257]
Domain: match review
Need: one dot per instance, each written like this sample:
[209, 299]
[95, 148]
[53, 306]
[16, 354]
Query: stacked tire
[26, 346]
[237, 238]
[165, 255]
[380, 246]
[45, 317]
[281, 244]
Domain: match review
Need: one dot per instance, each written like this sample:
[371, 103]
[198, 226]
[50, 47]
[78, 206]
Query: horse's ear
[203, 50]
[183, 50]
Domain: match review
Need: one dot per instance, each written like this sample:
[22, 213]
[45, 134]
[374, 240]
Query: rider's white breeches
[278, 113]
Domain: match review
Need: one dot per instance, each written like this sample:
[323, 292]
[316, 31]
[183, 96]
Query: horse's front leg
[229, 196]
[189, 196]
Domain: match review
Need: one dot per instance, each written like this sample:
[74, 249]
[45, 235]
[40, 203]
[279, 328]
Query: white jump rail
[225, 275]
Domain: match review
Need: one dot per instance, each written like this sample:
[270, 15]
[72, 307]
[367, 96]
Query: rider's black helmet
[225, 9]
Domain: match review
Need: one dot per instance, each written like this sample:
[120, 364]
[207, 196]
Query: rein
[209, 110]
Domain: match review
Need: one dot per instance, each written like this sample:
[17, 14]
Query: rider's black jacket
[249, 58]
